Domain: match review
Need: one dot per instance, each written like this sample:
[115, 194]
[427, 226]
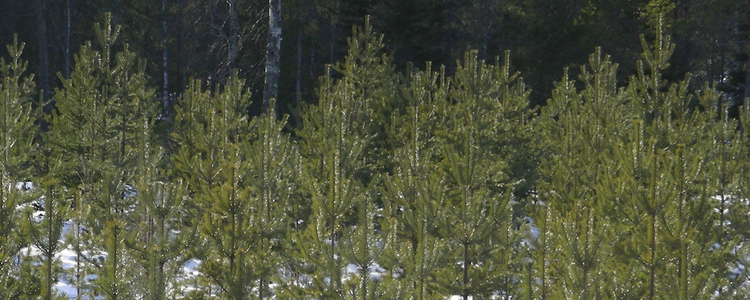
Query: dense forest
[396, 149]
[208, 40]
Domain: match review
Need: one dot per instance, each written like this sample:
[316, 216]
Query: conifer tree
[632, 163]
[343, 147]
[17, 133]
[214, 157]
[475, 215]
[696, 233]
[333, 151]
[724, 177]
[45, 235]
[361, 246]
[162, 233]
[272, 163]
[414, 185]
[580, 127]
[670, 203]
[369, 74]
[95, 131]
[160, 229]
[738, 214]
[636, 165]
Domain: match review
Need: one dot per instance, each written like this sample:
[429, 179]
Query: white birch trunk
[271, 86]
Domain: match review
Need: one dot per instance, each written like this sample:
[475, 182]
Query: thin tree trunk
[41, 30]
[298, 83]
[48, 284]
[165, 75]
[332, 43]
[50, 251]
[67, 40]
[233, 35]
[115, 292]
[181, 49]
[652, 229]
[271, 87]
[466, 271]
[266, 203]
[77, 201]
[116, 13]
[543, 263]
[584, 264]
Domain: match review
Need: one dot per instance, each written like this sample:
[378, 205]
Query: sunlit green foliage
[103, 112]
[416, 185]
[17, 139]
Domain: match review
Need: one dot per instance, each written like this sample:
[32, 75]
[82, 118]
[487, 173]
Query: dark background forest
[202, 41]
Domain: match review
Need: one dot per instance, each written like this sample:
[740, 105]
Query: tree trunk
[41, 30]
[165, 75]
[298, 84]
[332, 43]
[182, 55]
[78, 246]
[465, 292]
[67, 40]
[233, 35]
[271, 87]
[50, 251]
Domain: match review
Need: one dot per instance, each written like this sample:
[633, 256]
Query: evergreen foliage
[17, 135]
[474, 214]
[414, 185]
[45, 235]
[343, 152]
[161, 234]
[212, 131]
[580, 126]
[104, 110]
[334, 142]
[273, 162]
[622, 192]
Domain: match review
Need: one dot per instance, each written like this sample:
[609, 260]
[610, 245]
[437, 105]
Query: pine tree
[738, 213]
[475, 214]
[17, 133]
[333, 151]
[723, 145]
[698, 234]
[163, 232]
[344, 151]
[46, 234]
[361, 246]
[679, 235]
[372, 83]
[273, 160]
[214, 135]
[628, 187]
[95, 131]
[414, 185]
[580, 127]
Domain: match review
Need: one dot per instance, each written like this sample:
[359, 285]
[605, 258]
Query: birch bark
[271, 86]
